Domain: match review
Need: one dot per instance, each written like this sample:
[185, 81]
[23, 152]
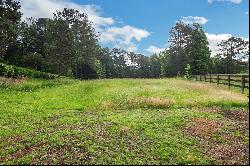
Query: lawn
[122, 121]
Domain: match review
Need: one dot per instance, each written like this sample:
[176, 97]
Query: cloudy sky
[143, 25]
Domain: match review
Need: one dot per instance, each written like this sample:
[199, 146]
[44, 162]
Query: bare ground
[219, 139]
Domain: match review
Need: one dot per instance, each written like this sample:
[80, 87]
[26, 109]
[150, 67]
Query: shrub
[188, 72]
[19, 72]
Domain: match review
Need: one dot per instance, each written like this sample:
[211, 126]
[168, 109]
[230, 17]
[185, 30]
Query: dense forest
[67, 45]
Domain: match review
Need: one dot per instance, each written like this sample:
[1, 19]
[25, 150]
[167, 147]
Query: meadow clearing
[122, 121]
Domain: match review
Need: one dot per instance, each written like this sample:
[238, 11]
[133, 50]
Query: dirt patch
[217, 138]
[229, 154]
[22, 152]
[237, 118]
[202, 127]
[236, 115]
[12, 139]
[26, 150]
[64, 154]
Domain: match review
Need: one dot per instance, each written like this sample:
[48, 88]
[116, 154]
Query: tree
[100, 69]
[105, 58]
[164, 60]
[198, 51]
[66, 45]
[233, 51]
[59, 45]
[119, 59]
[10, 17]
[31, 50]
[188, 45]
[85, 44]
[155, 66]
[179, 40]
[143, 66]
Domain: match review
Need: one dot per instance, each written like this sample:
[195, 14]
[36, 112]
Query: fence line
[235, 80]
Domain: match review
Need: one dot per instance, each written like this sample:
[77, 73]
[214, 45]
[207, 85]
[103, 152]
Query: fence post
[205, 77]
[210, 78]
[242, 83]
[200, 77]
[196, 77]
[218, 79]
[229, 81]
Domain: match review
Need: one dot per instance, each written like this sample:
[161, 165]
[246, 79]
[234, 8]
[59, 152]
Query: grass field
[122, 121]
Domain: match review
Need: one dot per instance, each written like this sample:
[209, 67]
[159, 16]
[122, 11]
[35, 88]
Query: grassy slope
[126, 121]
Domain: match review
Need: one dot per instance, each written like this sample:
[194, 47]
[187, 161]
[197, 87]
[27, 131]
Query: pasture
[122, 121]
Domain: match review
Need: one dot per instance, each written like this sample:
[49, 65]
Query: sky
[143, 26]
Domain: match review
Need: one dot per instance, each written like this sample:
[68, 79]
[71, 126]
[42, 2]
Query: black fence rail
[235, 80]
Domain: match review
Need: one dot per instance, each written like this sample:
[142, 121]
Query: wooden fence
[235, 80]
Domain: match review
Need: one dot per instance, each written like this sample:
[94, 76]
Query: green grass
[119, 121]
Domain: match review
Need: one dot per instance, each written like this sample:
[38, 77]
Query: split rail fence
[235, 80]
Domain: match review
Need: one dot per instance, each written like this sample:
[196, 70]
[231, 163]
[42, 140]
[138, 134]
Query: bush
[19, 72]
[187, 72]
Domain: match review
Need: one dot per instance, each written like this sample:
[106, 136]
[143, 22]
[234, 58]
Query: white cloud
[122, 37]
[215, 39]
[130, 47]
[46, 8]
[232, 1]
[246, 13]
[154, 49]
[126, 33]
[194, 19]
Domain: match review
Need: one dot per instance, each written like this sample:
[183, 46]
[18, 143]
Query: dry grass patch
[227, 95]
[4, 80]
[124, 131]
[106, 105]
[211, 90]
[155, 102]
[190, 102]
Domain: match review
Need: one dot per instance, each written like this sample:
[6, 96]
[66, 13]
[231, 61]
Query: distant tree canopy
[233, 55]
[188, 45]
[10, 17]
[67, 44]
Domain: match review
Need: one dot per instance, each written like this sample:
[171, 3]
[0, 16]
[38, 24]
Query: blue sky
[143, 25]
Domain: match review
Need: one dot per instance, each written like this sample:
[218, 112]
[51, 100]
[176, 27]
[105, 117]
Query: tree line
[67, 44]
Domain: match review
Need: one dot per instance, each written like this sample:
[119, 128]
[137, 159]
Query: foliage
[198, 51]
[59, 45]
[67, 44]
[19, 72]
[233, 53]
[178, 57]
[187, 72]
[100, 69]
[10, 17]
